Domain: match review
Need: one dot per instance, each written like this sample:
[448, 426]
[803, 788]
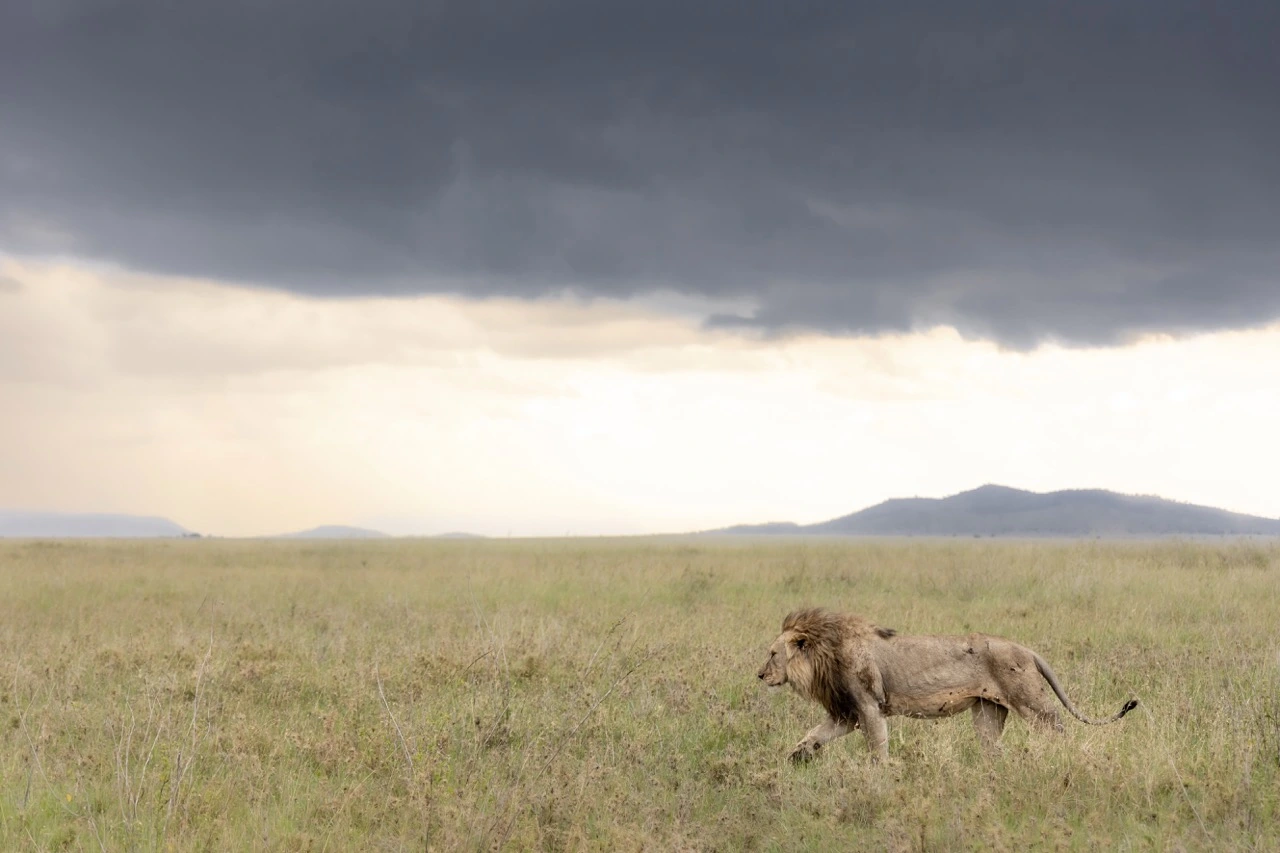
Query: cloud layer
[1020, 170]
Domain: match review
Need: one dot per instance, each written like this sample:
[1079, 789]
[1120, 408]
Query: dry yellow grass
[602, 695]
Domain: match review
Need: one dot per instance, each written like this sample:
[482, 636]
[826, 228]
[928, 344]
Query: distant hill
[1001, 511]
[335, 531]
[59, 525]
[768, 528]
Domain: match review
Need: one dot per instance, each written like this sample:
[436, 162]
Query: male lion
[861, 673]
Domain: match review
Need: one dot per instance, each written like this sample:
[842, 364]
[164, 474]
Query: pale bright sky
[240, 411]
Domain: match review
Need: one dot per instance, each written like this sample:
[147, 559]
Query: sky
[598, 267]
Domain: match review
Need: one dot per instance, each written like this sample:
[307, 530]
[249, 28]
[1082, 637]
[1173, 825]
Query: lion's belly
[925, 707]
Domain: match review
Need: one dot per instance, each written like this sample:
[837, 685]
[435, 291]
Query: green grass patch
[594, 695]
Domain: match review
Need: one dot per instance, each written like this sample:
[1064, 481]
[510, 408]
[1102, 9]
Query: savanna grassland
[578, 695]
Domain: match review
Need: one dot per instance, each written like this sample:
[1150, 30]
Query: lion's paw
[806, 750]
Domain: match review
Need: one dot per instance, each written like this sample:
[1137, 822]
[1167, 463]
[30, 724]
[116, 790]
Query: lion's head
[811, 655]
[785, 652]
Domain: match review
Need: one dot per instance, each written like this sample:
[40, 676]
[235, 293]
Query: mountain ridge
[334, 531]
[995, 510]
[35, 524]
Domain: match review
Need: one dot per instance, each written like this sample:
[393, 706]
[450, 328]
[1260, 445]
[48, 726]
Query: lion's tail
[1075, 712]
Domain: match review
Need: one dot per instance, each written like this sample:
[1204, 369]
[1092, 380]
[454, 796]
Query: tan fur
[862, 673]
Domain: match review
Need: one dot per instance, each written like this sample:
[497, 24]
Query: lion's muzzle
[770, 676]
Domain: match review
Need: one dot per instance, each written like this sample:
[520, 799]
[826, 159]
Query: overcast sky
[593, 266]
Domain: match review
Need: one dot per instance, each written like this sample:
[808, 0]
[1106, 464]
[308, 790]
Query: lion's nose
[760, 675]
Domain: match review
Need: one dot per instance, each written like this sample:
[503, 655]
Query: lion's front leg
[876, 729]
[819, 736]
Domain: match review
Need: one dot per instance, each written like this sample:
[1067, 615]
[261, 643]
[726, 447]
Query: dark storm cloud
[1024, 170]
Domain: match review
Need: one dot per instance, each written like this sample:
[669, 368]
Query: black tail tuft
[1128, 706]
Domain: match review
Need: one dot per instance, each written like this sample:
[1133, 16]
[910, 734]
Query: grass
[602, 695]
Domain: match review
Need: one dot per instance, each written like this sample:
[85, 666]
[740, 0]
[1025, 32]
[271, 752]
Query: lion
[862, 673]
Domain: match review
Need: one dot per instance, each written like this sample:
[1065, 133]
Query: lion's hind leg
[1021, 686]
[988, 721]
[1042, 716]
